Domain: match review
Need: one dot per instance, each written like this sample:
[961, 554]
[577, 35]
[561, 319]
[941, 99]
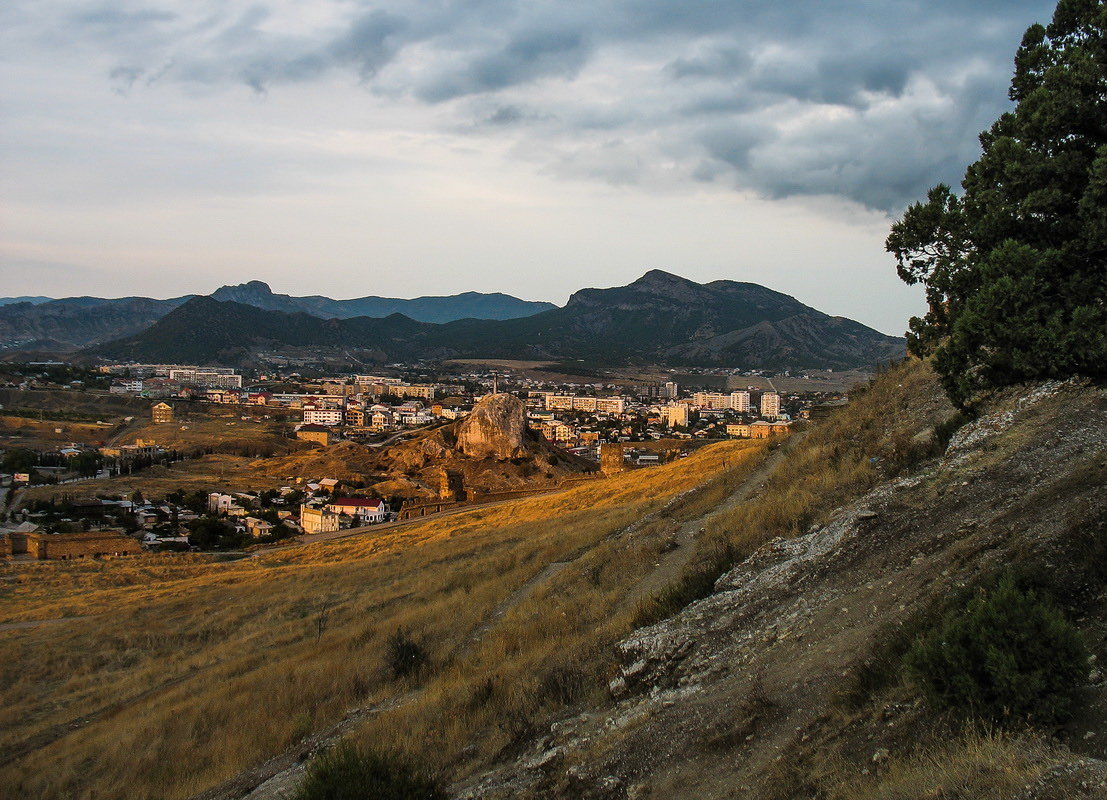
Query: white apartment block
[572, 402]
[322, 416]
[215, 377]
[770, 405]
[717, 401]
[126, 387]
[363, 379]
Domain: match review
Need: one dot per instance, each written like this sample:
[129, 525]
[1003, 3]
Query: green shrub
[1007, 655]
[405, 657]
[346, 773]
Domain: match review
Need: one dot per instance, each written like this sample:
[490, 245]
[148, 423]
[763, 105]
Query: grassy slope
[203, 669]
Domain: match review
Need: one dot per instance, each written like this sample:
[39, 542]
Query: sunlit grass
[226, 661]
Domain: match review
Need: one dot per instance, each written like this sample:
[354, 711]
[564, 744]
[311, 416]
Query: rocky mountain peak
[243, 292]
[496, 428]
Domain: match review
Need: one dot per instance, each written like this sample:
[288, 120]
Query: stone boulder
[496, 428]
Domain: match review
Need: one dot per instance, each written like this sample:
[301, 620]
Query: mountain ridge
[659, 318]
[65, 325]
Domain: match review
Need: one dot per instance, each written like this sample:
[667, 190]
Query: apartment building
[675, 414]
[770, 405]
[314, 415]
[213, 377]
[572, 402]
[717, 401]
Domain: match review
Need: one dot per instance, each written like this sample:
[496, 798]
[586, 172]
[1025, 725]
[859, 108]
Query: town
[612, 425]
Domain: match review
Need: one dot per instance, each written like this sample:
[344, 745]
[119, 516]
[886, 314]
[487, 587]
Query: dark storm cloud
[873, 102]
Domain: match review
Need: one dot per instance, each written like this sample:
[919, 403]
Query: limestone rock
[496, 428]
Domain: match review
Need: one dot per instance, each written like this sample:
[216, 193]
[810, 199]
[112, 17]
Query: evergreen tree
[1015, 268]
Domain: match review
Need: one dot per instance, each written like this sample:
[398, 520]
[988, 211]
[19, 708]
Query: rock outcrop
[497, 428]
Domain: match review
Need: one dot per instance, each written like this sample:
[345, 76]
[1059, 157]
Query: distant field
[38, 434]
[224, 433]
[819, 381]
[211, 472]
[99, 404]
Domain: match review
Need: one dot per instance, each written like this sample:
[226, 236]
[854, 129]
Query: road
[384, 526]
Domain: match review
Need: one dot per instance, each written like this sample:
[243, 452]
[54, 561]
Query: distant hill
[205, 330]
[660, 318]
[444, 308]
[77, 322]
[41, 324]
[663, 318]
[33, 300]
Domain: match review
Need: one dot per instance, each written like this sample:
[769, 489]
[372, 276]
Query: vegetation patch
[1008, 656]
[347, 773]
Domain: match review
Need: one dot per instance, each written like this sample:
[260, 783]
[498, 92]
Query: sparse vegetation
[406, 657]
[846, 454]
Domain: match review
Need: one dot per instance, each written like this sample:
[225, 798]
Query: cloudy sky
[348, 148]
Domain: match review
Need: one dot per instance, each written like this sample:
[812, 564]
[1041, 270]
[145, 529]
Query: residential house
[367, 511]
[318, 520]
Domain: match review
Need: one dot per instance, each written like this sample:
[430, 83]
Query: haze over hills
[63, 325]
[660, 318]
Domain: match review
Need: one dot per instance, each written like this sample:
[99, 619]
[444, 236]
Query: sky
[392, 148]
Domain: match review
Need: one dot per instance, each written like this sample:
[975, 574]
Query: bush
[1008, 655]
[405, 656]
[346, 773]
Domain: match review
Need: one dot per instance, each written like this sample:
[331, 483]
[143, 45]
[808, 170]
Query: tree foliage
[1015, 267]
[1008, 655]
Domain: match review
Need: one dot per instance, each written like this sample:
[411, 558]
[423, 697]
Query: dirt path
[672, 564]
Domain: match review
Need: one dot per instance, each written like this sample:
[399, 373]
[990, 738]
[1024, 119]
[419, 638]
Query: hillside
[77, 322]
[663, 318]
[837, 547]
[658, 319]
[204, 330]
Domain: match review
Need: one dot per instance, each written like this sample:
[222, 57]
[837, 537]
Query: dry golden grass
[35, 433]
[202, 669]
[227, 472]
[979, 765]
[836, 460]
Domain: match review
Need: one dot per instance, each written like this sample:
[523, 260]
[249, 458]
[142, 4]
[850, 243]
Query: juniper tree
[1015, 266]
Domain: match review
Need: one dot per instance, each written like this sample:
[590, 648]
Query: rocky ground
[759, 689]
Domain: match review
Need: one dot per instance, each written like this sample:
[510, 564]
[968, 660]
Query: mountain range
[67, 324]
[445, 308]
[660, 318]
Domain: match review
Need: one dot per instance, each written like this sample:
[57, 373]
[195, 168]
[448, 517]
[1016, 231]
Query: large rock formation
[497, 428]
[489, 451]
